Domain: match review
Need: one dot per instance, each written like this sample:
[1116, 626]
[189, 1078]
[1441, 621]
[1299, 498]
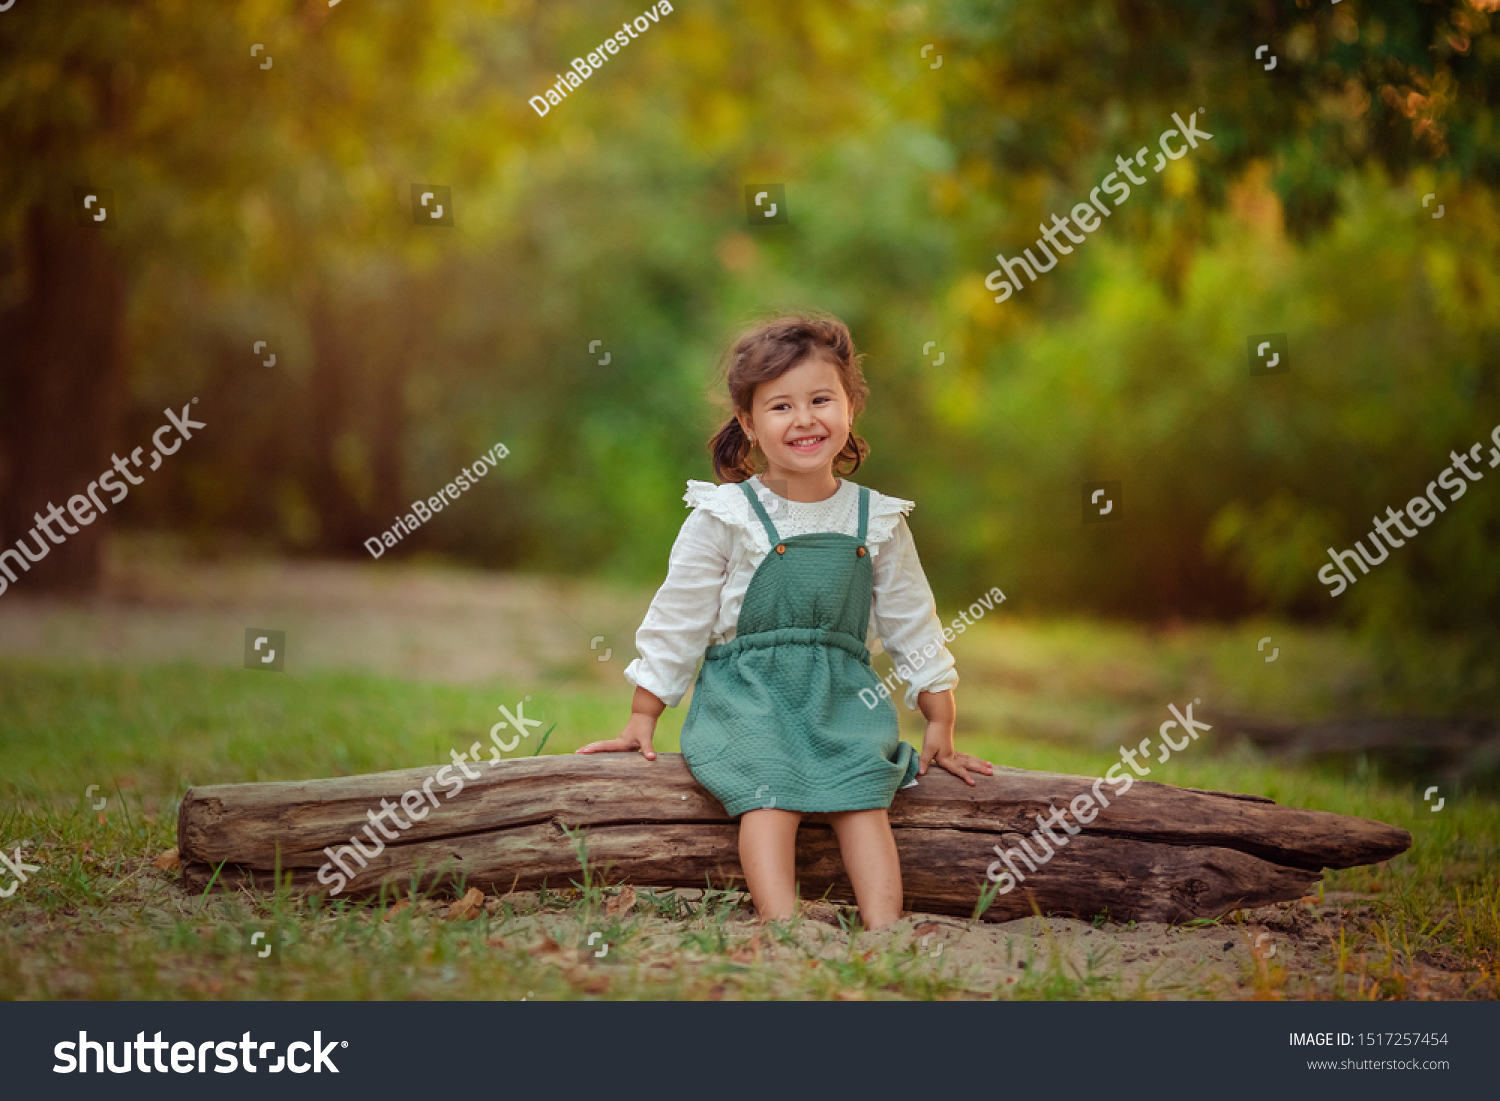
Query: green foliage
[274, 204]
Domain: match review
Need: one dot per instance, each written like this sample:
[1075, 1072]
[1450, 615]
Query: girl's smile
[800, 421]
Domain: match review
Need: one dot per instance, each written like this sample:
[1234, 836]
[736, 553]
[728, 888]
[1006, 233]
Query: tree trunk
[1155, 853]
[62, 393]
[362, 354]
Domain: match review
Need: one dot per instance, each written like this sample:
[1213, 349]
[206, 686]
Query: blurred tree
[275, 203]
[260, 149]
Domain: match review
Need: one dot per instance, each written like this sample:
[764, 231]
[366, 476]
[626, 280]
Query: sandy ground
[1274, 952]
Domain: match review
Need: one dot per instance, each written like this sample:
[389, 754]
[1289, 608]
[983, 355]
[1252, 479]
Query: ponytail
[732, 451]
[853, 453]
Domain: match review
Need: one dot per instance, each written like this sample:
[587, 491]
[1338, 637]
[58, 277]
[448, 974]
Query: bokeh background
[267, 196]
[259, 158]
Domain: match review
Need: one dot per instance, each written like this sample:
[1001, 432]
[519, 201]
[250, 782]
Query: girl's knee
[768, 814]
[874, 816]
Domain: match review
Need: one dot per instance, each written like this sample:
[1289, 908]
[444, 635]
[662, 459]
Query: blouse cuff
[658, 684]
[944, 683]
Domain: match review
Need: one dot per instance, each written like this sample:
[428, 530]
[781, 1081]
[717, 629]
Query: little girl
[773, 582]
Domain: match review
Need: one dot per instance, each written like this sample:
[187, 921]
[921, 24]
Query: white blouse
[717, 552]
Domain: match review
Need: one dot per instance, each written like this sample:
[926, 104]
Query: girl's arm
[676, 630]
[906, 619]
[940, 712]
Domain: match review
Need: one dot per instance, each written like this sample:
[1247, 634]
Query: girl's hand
[645, 709]
[941, 751]
[937, 744]
[636, 735]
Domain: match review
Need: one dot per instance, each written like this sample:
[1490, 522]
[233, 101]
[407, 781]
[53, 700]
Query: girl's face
[801, 420]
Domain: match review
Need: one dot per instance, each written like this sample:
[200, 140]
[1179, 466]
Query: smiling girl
[776, 581]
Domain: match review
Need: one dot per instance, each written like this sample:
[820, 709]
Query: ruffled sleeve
[727, 504]
[885, 515]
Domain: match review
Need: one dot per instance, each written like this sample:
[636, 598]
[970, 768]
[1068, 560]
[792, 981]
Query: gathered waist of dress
[789, 636]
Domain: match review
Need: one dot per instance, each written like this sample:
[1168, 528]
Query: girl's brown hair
[770, 350]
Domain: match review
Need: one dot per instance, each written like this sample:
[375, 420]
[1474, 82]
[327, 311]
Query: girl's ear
[745, 426]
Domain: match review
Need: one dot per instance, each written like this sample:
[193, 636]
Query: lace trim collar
[727, 503]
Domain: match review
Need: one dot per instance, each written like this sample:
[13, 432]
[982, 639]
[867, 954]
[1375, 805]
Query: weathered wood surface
[1157, 853]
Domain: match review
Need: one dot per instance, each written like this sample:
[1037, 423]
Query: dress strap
[760, 511]
[864, 513]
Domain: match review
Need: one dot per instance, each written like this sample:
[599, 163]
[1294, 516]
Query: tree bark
[62, 392]
[1155, 853]
[362, 356]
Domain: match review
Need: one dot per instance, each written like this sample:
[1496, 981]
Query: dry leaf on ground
[748, 952]
[621, 902]
[167, 861]
[595, 983]
[467, 907]
[549, 951]
[401, 904]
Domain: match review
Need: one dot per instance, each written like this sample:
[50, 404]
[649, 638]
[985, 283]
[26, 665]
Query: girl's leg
[869, 851]
[768, 854]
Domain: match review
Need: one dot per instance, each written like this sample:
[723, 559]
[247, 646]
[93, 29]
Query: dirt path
[454, 626]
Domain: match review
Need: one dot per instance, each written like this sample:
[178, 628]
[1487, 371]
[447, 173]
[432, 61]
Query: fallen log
[1155, 853]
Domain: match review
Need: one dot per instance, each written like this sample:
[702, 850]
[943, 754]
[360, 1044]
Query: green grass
[98, 921]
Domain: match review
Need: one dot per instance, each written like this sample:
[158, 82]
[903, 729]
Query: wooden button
[780, 548]
[860, 552]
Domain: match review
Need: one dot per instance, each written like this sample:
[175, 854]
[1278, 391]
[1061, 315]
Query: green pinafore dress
[777, 719]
